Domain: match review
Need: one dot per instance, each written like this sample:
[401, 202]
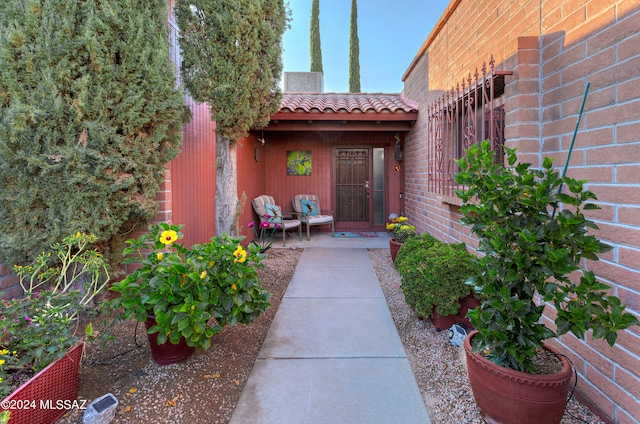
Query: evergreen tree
[316, 50]
[231, 53]
[89, 115]
[354, 51]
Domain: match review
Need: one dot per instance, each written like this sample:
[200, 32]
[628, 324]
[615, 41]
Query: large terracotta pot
[445, 322]
[506, 396]
[48, 394]
[167, 353]
[394, 246]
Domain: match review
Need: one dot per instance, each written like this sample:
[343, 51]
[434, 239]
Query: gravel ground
[435, 362]
[206, 388]
[202, 390]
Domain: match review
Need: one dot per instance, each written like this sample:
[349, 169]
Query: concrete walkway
[332, 354]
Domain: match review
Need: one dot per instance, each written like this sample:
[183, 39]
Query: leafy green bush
[89, 116]
[422, 242]
[530, 250]
[187, 289]
[434, 273]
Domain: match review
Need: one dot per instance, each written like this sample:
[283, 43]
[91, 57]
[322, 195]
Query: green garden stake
[573, 139]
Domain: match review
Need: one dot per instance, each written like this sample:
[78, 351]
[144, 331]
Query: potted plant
[534, 238]
[41, 340]
[186, 295]
[433, 276]
[401, 230]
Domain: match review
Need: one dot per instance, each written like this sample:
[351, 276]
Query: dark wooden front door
[352, 179]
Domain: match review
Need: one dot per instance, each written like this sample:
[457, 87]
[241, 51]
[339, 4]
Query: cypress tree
[316, 50]
[354, 51]
[231, 53]
[89, 115]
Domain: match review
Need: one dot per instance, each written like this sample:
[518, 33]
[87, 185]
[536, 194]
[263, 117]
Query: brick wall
[9, 283]
[553, 49]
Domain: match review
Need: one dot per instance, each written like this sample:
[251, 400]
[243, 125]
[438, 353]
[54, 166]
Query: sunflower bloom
[240, 254]
[168, 236]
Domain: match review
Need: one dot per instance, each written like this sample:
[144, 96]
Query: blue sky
[390, 32]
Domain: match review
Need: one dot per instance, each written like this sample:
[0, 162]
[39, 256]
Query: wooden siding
[251, 179]
[193, 178]
[191, 182]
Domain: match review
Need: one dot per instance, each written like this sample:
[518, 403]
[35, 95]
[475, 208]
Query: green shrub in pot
[405, 263]
[534, 238]
[433, 274]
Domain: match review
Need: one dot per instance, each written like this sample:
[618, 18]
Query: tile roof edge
[315, 93]
[408, 101]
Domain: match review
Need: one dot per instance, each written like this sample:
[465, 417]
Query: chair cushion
[309, 207]
[288, 224]
[274, 212]
[317, 219]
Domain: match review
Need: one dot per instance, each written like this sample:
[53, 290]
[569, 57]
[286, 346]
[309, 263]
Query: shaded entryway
[352, 142]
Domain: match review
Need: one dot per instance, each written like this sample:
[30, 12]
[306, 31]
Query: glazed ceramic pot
[167, 353]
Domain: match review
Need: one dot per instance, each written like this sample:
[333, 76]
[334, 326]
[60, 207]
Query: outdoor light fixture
[397, 149]
[256, 151]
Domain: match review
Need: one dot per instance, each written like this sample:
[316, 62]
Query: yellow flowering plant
[192, 292]
[400, 228]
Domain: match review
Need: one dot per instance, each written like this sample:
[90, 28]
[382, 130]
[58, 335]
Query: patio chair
[307, 206]
[267, 210]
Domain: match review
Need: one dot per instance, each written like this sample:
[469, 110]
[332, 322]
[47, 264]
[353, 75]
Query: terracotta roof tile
[346, 102]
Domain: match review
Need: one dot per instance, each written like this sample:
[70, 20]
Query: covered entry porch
[344, 148]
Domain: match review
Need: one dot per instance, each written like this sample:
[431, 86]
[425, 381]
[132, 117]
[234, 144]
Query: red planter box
[43, 398]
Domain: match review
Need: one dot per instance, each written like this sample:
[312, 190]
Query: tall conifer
[354, 51]
[89, 115]
[316, 50]
[232, 60]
